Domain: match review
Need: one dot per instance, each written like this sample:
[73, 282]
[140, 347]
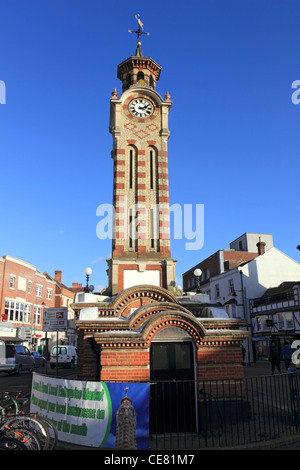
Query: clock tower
[141, 224]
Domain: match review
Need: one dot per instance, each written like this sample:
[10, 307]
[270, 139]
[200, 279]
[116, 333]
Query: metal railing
[223, 413]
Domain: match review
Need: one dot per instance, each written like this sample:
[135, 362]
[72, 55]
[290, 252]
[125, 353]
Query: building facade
[24, 294]
[236, 284]
[275, 316]
[241, 250]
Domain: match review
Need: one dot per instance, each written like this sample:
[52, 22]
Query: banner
[94, 414]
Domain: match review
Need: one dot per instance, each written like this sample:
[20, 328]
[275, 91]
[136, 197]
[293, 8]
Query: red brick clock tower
[141, 228]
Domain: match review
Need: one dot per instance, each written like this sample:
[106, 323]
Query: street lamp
[87, 272]
[197, 274]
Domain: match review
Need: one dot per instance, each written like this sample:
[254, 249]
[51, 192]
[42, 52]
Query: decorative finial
[167, 96]
[139, 31]
[114, 93]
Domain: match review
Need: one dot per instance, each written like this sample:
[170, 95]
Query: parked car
[65, 356]
[15, 358]
[39, 360]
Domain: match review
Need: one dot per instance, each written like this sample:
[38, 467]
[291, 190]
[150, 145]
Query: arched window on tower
[152, 167]
[152, 170]
[131, 185]
[131, 155]
[128, 81]
[140, 78]
[151, 82]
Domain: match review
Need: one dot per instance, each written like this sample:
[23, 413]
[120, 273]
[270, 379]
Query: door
[172, 390]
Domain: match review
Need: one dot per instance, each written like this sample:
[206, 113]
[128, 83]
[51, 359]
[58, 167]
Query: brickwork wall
[87, 359]
[125, 364]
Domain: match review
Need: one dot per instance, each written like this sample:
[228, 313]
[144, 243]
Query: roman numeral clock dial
[140, 107]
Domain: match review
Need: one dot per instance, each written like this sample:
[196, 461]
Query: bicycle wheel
[52, 431]
[32, 424]
[25, 437]
[10, 443]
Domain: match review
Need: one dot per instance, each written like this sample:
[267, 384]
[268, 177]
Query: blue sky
[234, 145]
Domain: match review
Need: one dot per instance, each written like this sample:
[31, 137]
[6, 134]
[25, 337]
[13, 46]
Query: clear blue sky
[235, 133]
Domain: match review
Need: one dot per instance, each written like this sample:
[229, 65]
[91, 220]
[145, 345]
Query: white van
[62, 355]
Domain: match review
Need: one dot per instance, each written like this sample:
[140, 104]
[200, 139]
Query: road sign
[25, 333]
[55, 319]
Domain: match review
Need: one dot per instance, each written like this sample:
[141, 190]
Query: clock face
[140, 107]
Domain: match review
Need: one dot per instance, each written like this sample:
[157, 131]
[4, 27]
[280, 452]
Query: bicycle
[42, 427]
[18, 439]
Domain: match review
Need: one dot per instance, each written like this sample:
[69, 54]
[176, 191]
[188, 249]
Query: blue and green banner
[94, 414]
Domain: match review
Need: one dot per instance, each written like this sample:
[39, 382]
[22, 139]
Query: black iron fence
[195, 415]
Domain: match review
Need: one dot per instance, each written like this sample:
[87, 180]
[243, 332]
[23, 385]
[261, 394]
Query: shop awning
[11, 339]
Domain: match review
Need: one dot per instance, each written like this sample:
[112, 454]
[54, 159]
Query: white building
[235, 288]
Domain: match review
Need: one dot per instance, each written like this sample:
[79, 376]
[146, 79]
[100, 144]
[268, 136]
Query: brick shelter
[115, 344]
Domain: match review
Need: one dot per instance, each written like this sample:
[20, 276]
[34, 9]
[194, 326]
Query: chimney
[260, 247]
[58, 276]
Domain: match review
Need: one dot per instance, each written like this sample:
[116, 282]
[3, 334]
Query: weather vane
[139, 31]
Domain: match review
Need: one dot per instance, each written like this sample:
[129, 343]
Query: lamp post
[244, 303]
[198, 273]
[87, 272]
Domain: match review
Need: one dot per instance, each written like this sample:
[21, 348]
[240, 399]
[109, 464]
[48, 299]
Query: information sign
[55, 319]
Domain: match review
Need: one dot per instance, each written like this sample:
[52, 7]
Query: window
[258, 324]
[285, 321]
[151, 169]
[217, 291]
[140, 78]
[128, 80]
[130, 228]
[152, 222]
[231, 287]
[280, 321]
[29, 287]
[17, 311]
[39, 291]
[130, 169]
[233, 310]
[289, 324]
[37, 315]
[49, 293]
[207, 273]
[131, 157]
[12, 281]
